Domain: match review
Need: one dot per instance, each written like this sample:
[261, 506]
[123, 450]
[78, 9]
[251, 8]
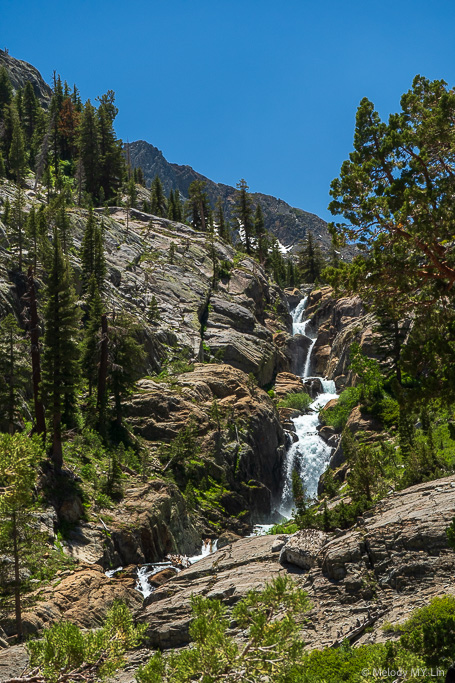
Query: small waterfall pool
[309, 455]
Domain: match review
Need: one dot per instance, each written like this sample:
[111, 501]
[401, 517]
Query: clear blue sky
[240, 88]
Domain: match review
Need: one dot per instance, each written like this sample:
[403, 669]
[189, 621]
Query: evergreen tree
[198, 207]
[2, 166]
[14, 371]
[221, 223]
[60, 357]
[260, 232]
[90, 357]
[244, 214]
[6, 90]
[276, 264]
[68, 122]
[158, 200]
[19, 457]
[18, 222]
[125, 358]
[311, 262]
[54, 117]
[171, 210]
[111, 159]
[34, 332]
[92, 254]
[30, 108]
[89, 149]
[17, 156]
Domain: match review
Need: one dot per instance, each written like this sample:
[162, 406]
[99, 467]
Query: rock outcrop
[241, 446]
[395, 560]
[21, 72]
[82, 597]
[338, 323]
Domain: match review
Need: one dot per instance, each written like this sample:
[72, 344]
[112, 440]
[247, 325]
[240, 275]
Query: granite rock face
[21, 72]
[244, 449]
[394, 561]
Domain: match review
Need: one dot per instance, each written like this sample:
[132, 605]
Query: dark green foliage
[272, 649]
[90, 355]
[126, 356]
[243, 211]
[60, 357]
[311, 262]
[64, 648]
[89, 149]
[198, 207]
[92, 253]
[6, 89]
[222, 226]
[17, 154]
[17, 223]
[157, 198]
[15, 373]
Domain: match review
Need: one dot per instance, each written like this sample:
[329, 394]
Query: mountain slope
[21, 72]
[288, 224]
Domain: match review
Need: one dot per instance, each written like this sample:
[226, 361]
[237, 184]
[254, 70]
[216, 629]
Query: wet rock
[313, 386]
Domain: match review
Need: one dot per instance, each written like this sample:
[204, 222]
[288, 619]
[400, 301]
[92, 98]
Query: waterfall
[309, 455]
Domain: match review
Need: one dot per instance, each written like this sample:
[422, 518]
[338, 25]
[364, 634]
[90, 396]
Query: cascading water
[309, 455]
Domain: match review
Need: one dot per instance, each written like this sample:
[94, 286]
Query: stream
[309, 455]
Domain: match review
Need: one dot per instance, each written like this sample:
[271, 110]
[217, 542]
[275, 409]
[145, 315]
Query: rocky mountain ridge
[21, 72]
[290, 225]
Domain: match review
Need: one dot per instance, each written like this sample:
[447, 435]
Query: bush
[300, 401]
[337, 416]
[64, 647]
[271, 652]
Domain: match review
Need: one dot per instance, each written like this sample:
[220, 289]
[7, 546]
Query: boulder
[304, 548]
[287, 383]
[162, 577]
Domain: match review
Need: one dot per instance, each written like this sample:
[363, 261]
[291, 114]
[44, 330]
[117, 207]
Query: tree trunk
[40, 421]
[17, 583]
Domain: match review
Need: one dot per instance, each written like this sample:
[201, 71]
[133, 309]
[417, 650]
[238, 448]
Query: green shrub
[64, 647]
[271, 652]
[337, 416]
[299, 401]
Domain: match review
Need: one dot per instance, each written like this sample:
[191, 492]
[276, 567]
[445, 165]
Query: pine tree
[92, 254]
[30, 108]
[198, 207]
[54, 117]
[171, 206]
[111, 159]
[90, 357]
[89, 149]
[17, 156]
[2, 166]
[19, 457]
[260, 232]
[158, 200]
[221, 223]
[6, 90]
[125, 358]
[244, 214]
[34, 332]
[18, 222]
[14, 371]
[60, 357]
[311, 262]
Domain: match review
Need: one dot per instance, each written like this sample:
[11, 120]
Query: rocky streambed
[395, 560]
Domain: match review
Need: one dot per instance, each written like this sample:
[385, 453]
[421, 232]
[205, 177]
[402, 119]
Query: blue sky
[240, 88]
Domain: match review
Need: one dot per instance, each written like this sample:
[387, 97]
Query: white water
[147, 570]
[310, 454]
